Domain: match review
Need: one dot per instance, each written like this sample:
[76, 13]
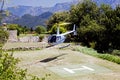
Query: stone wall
[12, 36]
[29, 39]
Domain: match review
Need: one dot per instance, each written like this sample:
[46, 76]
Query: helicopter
[58, 38]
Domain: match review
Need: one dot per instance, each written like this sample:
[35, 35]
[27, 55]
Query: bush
[116, 52]
[40, 29]
[41, 37]
[111, 58]
[9, 70]
[3, 36]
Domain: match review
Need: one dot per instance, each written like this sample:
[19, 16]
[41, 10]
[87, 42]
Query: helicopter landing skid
[49, 46]
[64, 46]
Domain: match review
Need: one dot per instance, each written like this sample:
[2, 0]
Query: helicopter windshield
[52, 39]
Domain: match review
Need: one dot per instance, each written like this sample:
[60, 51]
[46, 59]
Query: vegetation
[41, 37]
[40, 29]
[29, 20]
[53, 30]
[20, 29]
[94, 53]
[98, 27]
[56, 18]
[3, 37]
[9, 70]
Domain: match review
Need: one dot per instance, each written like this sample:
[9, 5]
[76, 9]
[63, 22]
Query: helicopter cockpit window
[53, 39]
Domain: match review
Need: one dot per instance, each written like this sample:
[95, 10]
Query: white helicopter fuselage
[56, 39]
[59, 38]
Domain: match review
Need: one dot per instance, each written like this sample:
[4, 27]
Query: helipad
[79, 69]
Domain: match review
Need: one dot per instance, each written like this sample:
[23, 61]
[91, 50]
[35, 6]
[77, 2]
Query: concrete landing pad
[79, 69]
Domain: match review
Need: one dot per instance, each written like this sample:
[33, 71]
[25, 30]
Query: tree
[54, 29]
[116, 29]
[87, 7]
[17, 27]
[31, 29]
[40, 29]
[2, 5]
[98, 26]
[3, 13]
[56, 18]
[1, 10]
[25, 29]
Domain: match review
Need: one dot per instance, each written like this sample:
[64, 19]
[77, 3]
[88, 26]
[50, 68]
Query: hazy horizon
[34, 3]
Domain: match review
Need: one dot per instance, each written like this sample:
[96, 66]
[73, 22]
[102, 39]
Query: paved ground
[65, 64]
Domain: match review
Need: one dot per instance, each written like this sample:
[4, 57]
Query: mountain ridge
[28, 20]
[18, 13]
[35, 11]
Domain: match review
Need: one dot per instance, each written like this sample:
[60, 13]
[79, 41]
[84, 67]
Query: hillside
[32, 16]
[35, 11]
[113, 3]
[28, 20]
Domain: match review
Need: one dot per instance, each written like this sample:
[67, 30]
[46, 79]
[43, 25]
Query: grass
[94, 53]
[1, 45]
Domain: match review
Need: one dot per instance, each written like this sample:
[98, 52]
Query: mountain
[21, 10]
[35, 11]
[33, 16]
[29, 20]
[113, 3]
[61, 7]
[8, 19]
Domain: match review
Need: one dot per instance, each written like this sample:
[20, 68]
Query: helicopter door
[58, 38]
[53, 39]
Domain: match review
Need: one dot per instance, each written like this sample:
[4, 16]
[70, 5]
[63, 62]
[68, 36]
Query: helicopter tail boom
[73, 31]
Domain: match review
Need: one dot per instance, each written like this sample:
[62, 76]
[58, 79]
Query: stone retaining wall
[12, 36]
[29, 39]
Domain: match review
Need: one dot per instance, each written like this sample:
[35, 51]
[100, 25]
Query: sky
[43, 3]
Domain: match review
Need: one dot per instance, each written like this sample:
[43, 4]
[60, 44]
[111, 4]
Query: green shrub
[41, 37]
[111, 58]
[9, 70]
[116, 52]
[3, 36]
[40, 29]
